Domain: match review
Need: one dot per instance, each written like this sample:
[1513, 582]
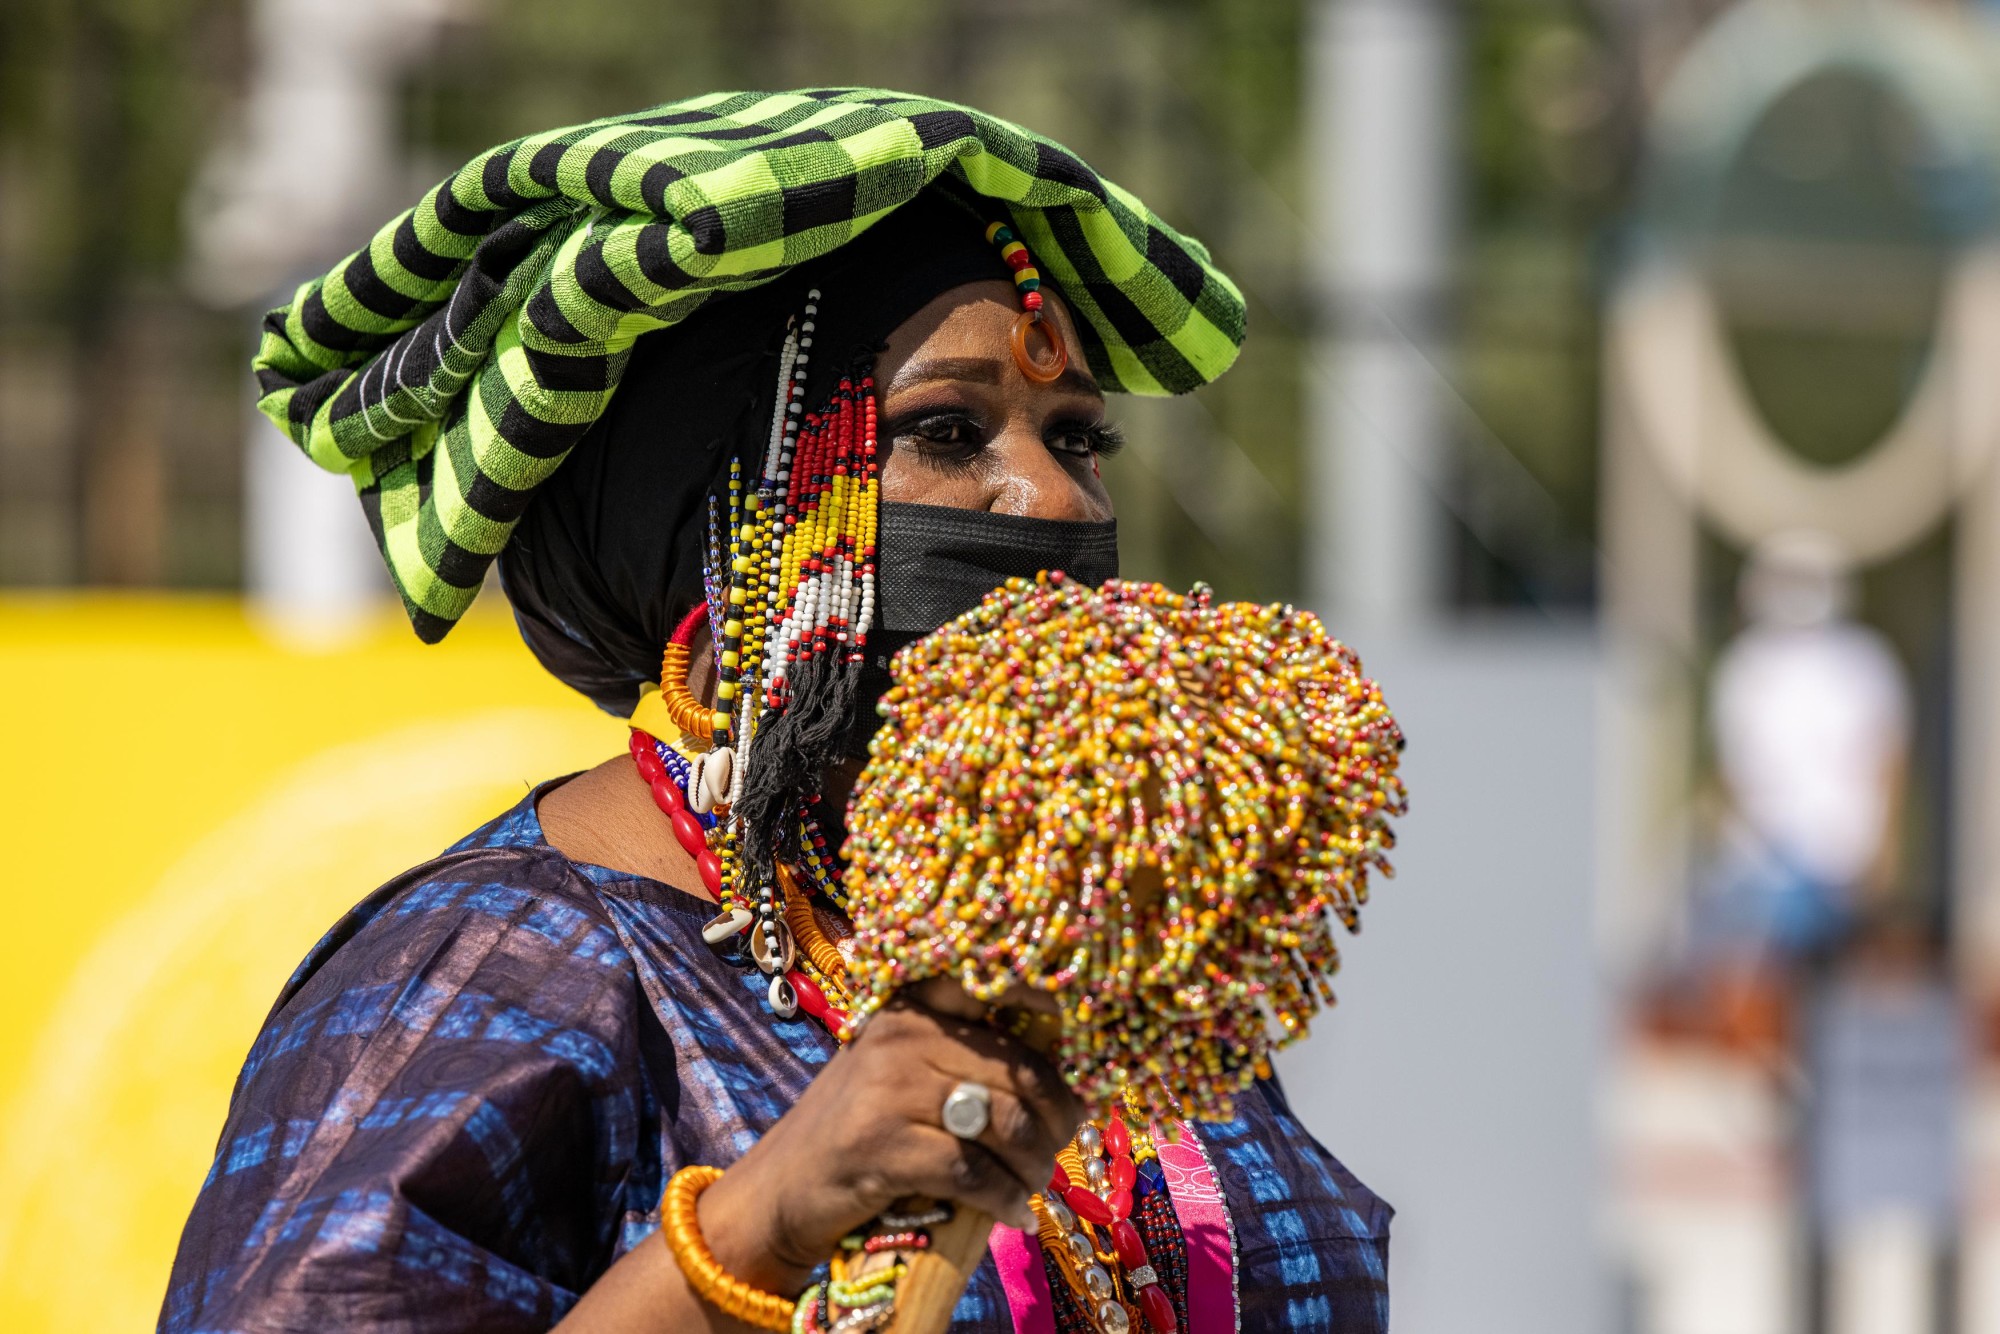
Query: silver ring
[967, 1109]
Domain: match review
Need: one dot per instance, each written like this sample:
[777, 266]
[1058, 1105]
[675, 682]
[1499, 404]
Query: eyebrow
[981, 370]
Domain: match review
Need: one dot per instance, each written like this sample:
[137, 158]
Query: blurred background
[1624, 383]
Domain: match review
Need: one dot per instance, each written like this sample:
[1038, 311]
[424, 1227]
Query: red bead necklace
[1104, 1200]
[792, 990]
[672, 801]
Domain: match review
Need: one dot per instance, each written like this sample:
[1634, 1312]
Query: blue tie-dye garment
[466, 1102]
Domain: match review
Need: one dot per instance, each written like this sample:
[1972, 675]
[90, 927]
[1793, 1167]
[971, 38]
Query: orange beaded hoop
[1041, 372]
[705, 1274]
[689, 714]
[1028, 286]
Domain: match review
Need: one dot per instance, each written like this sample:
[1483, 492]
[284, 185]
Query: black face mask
[935, 563]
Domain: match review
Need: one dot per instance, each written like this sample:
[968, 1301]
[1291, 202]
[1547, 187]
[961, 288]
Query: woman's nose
[1035, 483]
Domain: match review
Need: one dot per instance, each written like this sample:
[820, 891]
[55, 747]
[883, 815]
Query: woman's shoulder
[480, 975]
[500, 905]
[1284, 1142]
[1312, 1240]
[450, 1101]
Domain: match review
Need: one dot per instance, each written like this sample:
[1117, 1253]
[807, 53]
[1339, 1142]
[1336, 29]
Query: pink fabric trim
[1018, 1257]
[1197, 1198]
[1211, 1294]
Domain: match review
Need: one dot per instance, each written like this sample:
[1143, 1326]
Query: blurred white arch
[1690, 407]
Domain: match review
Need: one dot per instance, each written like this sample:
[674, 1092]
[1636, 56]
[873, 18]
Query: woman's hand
[867, 1133]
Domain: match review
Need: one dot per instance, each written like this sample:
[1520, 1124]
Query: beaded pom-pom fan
[1146, 804]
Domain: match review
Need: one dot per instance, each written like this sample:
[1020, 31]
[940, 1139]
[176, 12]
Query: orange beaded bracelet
[710, 1281]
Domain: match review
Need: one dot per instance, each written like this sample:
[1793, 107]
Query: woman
[464, 1108]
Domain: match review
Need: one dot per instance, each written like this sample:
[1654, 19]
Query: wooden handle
[938, 1276]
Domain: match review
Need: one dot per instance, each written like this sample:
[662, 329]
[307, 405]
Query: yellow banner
[189, 804]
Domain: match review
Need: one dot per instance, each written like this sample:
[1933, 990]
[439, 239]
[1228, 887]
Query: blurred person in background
[466, 1104]
[1811, 716]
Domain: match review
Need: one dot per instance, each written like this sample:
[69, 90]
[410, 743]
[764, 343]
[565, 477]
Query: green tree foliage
[118, 394]
[107, 107]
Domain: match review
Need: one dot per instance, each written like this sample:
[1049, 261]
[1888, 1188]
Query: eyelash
[1102, 439]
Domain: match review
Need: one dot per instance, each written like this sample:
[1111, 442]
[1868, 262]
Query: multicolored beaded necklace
[791, 592]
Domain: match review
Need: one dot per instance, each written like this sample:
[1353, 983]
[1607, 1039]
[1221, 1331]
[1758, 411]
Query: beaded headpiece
[1032, 320]
[791, 594]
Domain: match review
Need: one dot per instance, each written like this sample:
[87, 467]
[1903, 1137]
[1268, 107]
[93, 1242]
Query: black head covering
[608, 557]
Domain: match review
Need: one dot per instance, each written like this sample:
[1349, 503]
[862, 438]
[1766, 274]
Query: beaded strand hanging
[796, 598]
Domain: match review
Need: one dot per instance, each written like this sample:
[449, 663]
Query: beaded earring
[790, 596]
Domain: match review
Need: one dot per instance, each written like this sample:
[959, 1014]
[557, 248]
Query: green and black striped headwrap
[450, 365]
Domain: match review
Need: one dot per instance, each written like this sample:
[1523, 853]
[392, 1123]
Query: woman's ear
[701, 666]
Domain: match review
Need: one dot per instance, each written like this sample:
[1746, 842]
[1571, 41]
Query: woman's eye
[959, 431]
[1085, 439]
